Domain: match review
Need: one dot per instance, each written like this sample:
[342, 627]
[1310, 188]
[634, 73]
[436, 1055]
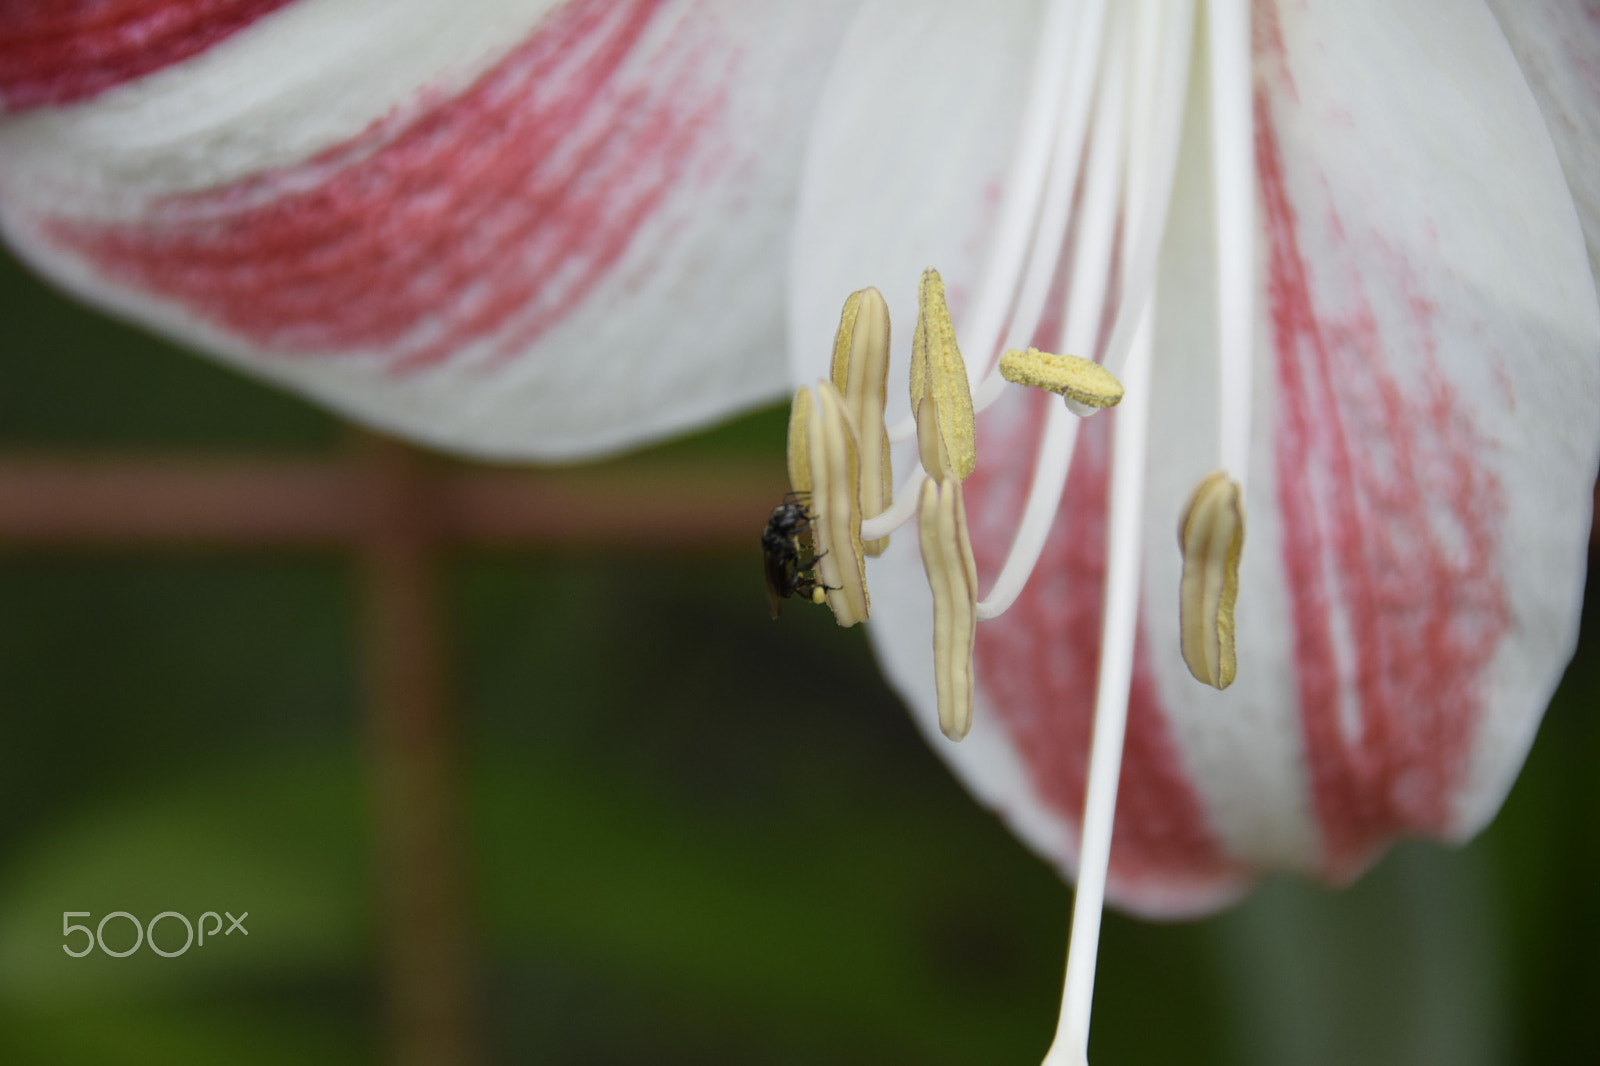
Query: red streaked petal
[475, 221]
[1439, 411]
[1392, 679]
[574, 244]
[1428, 417]
[55, 52]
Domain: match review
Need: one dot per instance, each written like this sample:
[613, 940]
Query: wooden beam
[183, 502]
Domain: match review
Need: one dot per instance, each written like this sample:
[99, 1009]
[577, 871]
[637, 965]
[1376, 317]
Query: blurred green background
[775, 871]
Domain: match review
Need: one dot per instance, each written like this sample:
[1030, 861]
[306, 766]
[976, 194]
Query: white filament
[1056, 445]
[1118, 631]
[1148, 217]
[1024, 185]
[1019, 204]
[1132, 159]
[1090, 266]
[1058, 197]
[1232, 136]
[1025, 181]
[1143, 84]
[900, 511]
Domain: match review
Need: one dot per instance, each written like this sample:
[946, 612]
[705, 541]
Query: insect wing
[778, 566]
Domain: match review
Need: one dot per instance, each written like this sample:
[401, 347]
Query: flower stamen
[799, 447]
[941, 395]
[824, 457]
[1210, 535]
[900, 511]
[1113, 124]
[860, 371]
[1153, 167]
[953, 577]
[1056, 210]
[1053, 86]
[1075, 379]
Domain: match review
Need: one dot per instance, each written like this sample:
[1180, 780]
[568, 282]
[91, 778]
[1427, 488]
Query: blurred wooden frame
[395, 509]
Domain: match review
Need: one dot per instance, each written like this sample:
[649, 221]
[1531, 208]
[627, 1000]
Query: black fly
[788, 574]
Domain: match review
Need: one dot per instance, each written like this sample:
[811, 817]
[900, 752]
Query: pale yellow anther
[860, 372]
[953, 576]
[1084, 382]
[941, 396]
[799, 451]
[1211, 535]
[836, 513]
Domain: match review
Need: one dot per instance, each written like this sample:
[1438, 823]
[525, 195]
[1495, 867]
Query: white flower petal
[494, 227]
[1557, 43]
[905, 164]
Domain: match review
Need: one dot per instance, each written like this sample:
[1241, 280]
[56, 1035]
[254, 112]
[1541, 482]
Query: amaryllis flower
[1335, 249]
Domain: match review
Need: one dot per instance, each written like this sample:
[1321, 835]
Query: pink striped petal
[505, 227]
[1427, 389]
[62, 51]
